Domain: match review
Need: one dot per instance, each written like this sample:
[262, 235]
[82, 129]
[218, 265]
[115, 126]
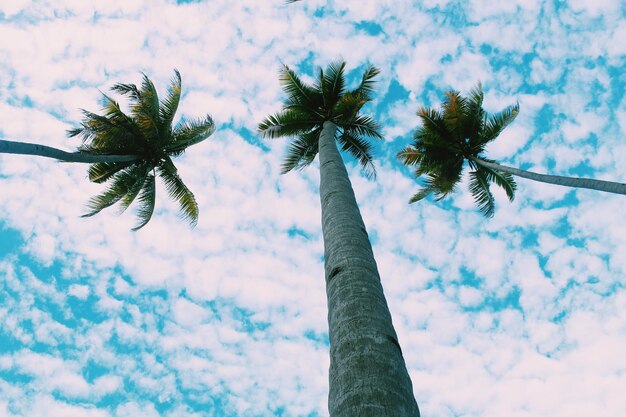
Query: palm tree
[459, 132]
[130, 150]
[368, 376]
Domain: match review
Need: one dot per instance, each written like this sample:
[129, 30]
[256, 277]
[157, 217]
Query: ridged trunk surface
[574, 182]
[24, 148]
[368, 375]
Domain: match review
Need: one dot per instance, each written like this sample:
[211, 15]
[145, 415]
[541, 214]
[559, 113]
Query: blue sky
[519, 315]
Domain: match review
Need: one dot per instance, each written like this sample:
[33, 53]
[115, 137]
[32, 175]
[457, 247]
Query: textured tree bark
[368, 375]
[23, 148]
[574, 182]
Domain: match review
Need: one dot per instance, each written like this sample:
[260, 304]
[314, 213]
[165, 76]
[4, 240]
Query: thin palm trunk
[575, 182]
[23, 148]
[368, 375]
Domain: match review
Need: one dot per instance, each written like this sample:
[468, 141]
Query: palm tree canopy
[147, 133]
[306, 108]
[456, 133]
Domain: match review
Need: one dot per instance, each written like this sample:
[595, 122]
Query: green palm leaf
[496, 123]
[347, 108]
[178, 191]
[100, 172]
[146, 202]
[122, 182]
[475, 115]
[454, 111]
[445, 180]
[169, 105]
[146, 111]
[503, 179]
[100, 132]
[366, 88]
[127, 89]
[433, 125]
[189, 132]
[361, 150]
[479, 187]
[332, 83]
[301, 151]
[410, 156]
[132, 192]
[286, 123]
[363, 126]
[298, 93]
[420, 195]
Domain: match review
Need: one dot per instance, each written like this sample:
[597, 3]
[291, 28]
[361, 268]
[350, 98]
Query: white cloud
[235, 310]
[595, 8]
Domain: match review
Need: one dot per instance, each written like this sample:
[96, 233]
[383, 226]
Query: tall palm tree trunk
[23, 148]
[575, 182]
[368, 376]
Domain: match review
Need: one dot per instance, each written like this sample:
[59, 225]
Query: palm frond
[474, 121]
[100, 172]
[178, 191]
[366, 88]
[146, 110]
[440, 184]
[111, 133]
[443, 181]
[127, 89]
[479, 187]
[363, 126]
[440, 165]
[347, 108]
[431, 158]
[132, 192]
[169, 104]
[433, 124]
[409, 156]
[121, 183]
[333, 83]
[287, 123]
[503, 179]
[297, 91]
[301, 151]
[189, 132]
[123, 126]
[98, 131]
[420, 195]
[360, 149]
[146, 202]
[496, 123]
[454, 113]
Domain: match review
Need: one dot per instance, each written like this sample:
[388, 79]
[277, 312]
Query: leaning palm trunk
[368, 376]
[592, 184]
[23, 148]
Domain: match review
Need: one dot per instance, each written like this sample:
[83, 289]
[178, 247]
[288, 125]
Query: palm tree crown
[307, 107]
[146, 133]
[459, 132]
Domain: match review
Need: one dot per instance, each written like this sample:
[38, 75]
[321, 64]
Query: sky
[519, 315]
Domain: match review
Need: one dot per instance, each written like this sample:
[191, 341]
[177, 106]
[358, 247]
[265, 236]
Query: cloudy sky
[520, 315]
